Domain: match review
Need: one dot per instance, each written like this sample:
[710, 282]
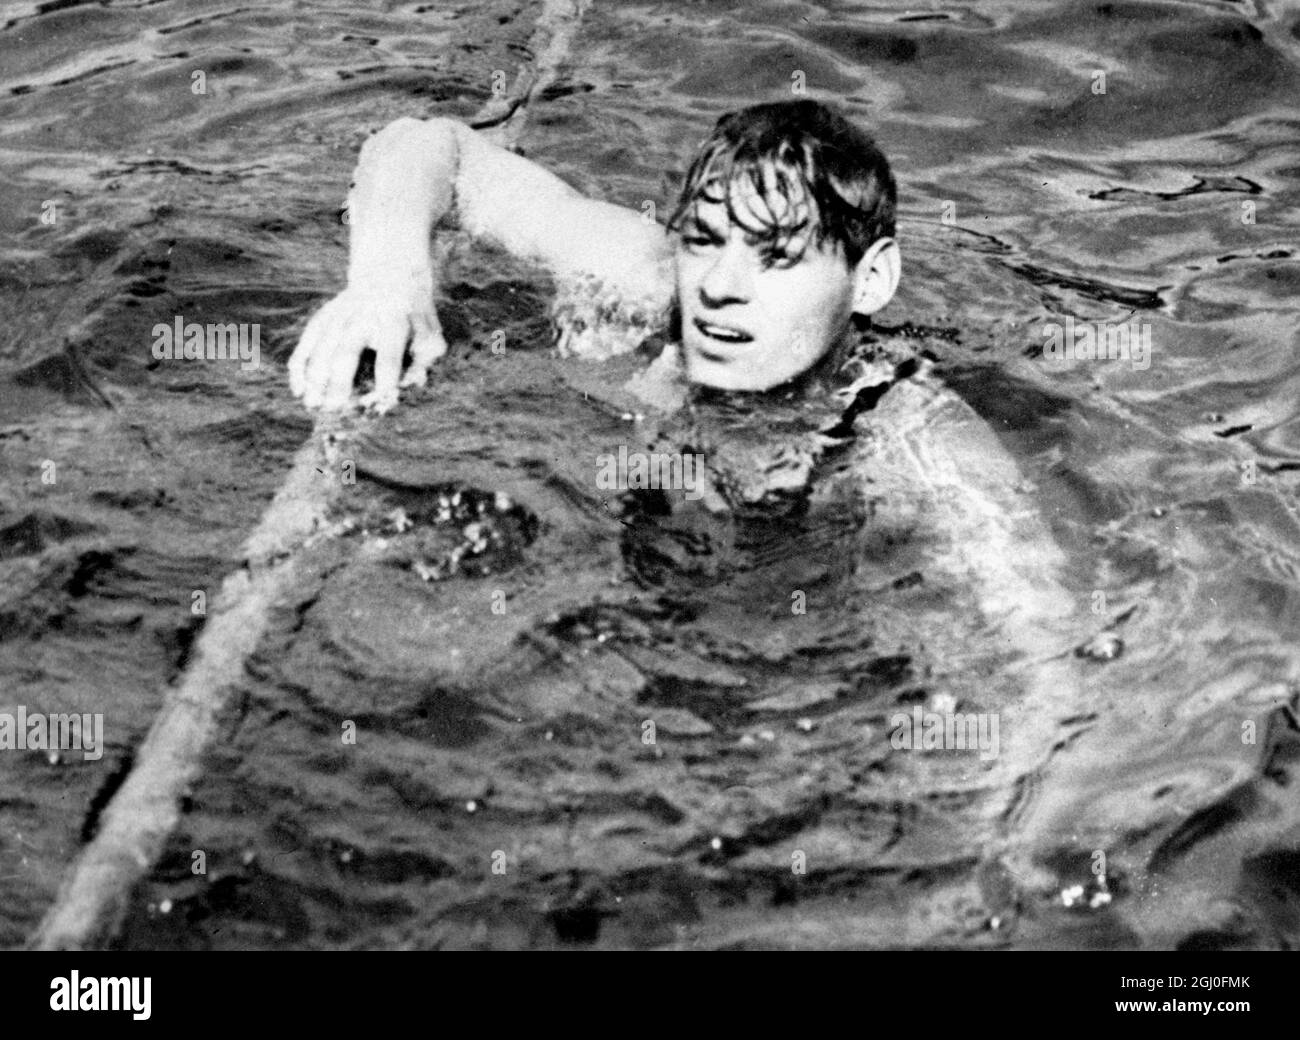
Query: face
[753, 318]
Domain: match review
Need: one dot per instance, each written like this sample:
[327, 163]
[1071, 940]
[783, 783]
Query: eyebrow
[694, 222]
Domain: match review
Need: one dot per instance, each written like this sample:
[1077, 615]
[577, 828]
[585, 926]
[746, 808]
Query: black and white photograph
[595, 475]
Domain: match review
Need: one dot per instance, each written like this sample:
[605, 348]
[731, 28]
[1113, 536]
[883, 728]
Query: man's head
[785, 226]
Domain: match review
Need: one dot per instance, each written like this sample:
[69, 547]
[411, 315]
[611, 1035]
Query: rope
[133, 828]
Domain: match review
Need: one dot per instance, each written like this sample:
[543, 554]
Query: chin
[723, 375]
[733, 374]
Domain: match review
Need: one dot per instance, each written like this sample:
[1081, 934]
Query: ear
[876, 276]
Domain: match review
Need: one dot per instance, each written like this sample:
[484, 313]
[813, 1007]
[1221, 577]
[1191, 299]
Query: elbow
[408, 132]
[425, 152]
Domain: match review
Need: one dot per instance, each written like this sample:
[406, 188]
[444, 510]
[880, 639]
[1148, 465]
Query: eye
[700, 241]
[779, 259]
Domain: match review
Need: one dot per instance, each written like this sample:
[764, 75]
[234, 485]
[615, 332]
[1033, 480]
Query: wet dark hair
[815, 156]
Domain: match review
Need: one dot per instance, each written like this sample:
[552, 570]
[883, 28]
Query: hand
[324, 364]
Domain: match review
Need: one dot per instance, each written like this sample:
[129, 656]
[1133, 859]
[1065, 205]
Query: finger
[379, 405]
[427, 346]
[342, 367]
[316, 373]
[308, 343]
[389, 345]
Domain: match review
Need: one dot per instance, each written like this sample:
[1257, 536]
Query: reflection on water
[1029, 196]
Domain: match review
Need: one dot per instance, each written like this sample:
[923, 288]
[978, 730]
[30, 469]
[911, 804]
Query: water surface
[1025, 197]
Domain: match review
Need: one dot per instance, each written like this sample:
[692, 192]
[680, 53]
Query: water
[521, 733]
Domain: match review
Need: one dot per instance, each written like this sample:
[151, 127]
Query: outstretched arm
[990, 535]
[414, 176]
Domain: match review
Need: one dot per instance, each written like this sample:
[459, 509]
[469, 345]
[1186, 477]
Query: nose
[729, 280]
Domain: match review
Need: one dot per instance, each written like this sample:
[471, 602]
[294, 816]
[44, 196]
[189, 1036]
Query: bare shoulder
[944, 439]
[927, 443]
[971, 501]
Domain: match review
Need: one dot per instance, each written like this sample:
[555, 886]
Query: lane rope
[133, 828]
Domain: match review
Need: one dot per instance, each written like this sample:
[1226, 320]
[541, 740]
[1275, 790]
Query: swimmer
[784, 230]
[783, 233]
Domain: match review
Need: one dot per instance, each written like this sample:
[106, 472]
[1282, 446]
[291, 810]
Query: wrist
[393, 277]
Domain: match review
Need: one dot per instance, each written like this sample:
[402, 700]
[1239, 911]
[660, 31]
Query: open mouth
[723, 333]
